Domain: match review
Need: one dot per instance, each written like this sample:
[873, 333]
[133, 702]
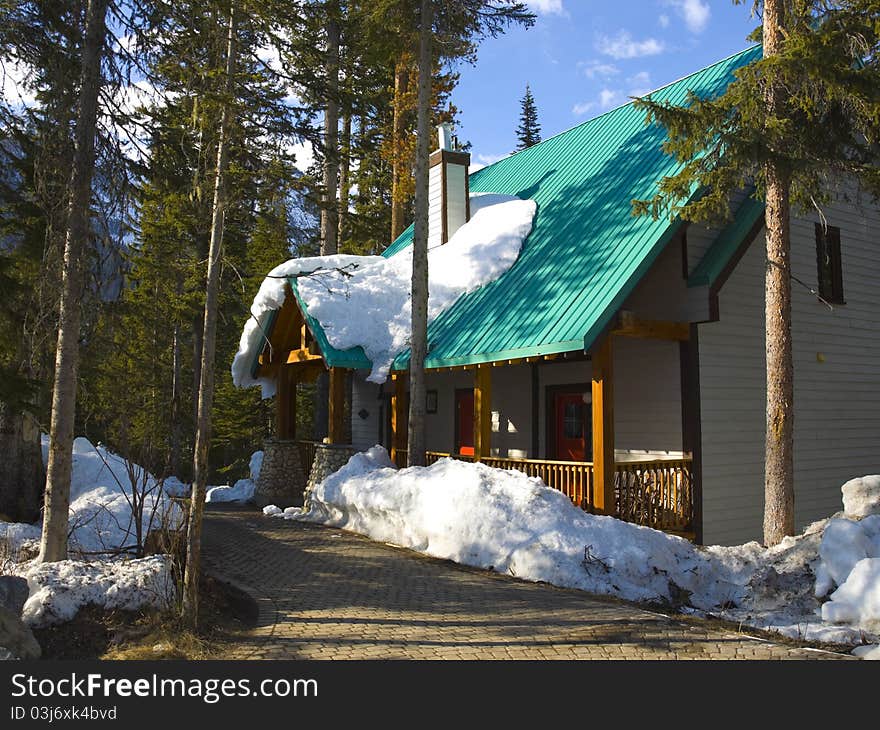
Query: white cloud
[664, 21]
[546, 7]
[623, 45]
[695, 13]
[597, 69]
[304, 155]
[483, 161]
[640, 84]
[607, 99]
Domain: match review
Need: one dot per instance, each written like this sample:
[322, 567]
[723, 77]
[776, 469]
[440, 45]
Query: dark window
[829, 263]
[573, 420]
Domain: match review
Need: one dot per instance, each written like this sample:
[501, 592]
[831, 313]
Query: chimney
[448, 191]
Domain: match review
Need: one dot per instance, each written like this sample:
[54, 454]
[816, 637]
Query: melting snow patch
[59, 590]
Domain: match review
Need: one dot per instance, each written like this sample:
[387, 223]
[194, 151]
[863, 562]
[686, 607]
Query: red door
[464, 422]
[571, 427]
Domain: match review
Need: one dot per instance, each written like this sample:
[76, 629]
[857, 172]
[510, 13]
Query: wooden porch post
[482, 412]
[603, 429]
[398, 415]
[336, 425]
[285, 403]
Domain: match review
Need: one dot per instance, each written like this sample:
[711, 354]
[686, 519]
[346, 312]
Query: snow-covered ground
[101, 524]
[243, 489]
[822, 585]
[365, 300]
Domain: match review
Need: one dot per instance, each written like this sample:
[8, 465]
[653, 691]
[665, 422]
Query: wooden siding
[837, 381]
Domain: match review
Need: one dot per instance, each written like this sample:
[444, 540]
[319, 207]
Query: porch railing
[307, 454]
[573, 478]
[656, 493]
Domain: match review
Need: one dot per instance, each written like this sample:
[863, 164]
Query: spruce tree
[794, 125]
[528, 132]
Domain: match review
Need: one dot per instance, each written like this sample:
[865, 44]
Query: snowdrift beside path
[101, 518]
[243, 490]
[101, 522]
[365, 300]
[511, 523]
[59, 590]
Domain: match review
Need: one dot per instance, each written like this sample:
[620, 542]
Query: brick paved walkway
[328, 594]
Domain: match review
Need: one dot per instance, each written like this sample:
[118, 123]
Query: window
[573, 420]
[829, 263]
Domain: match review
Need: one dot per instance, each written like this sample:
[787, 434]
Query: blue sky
[583, 57]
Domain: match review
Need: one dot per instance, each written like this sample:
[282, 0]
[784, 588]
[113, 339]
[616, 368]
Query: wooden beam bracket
[629, 325]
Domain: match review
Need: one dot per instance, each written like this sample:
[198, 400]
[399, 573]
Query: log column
[482, 412]
[399, 409]
[285, 403]
[603, 429]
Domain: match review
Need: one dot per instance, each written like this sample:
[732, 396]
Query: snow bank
[59, 590]
[100, 516]
[243, 490]
[101, 521]
[365, 300]
[861, 496]
[850, 560]
[511, 523]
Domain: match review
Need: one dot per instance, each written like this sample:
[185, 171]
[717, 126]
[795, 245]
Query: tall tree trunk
[779, 437]
[419, 341]
[398, 169]
[21, 468]
[206, 384]
[174, 456]
[53, 545]
[329, 220]
[344, 179]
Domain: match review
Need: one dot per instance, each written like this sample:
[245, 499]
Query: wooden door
[572, 435]
[464, 422]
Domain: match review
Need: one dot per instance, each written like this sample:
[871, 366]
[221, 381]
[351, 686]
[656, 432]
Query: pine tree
[528, 132]
[794, 125]
[53, 545]
[459, 23]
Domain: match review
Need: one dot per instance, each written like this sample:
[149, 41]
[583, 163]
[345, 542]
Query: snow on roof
[364, 301]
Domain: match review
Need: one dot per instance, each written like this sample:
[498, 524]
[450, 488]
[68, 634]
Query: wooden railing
[573, 478]
[658, 494]
[307, 454]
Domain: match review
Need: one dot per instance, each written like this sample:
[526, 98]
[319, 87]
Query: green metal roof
[725, 246]
[354, 357]
[586, 251]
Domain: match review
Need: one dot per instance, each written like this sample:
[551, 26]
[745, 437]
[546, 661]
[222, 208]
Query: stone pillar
[328, 459]
[282, 477]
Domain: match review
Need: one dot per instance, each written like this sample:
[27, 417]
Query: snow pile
[243, 489]
[59, 590]
[18, 536]
[850, 553]
[103, 487]
[861, 496]
[365, 300]
[102, 490]
[511, 523]
[101, 521]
